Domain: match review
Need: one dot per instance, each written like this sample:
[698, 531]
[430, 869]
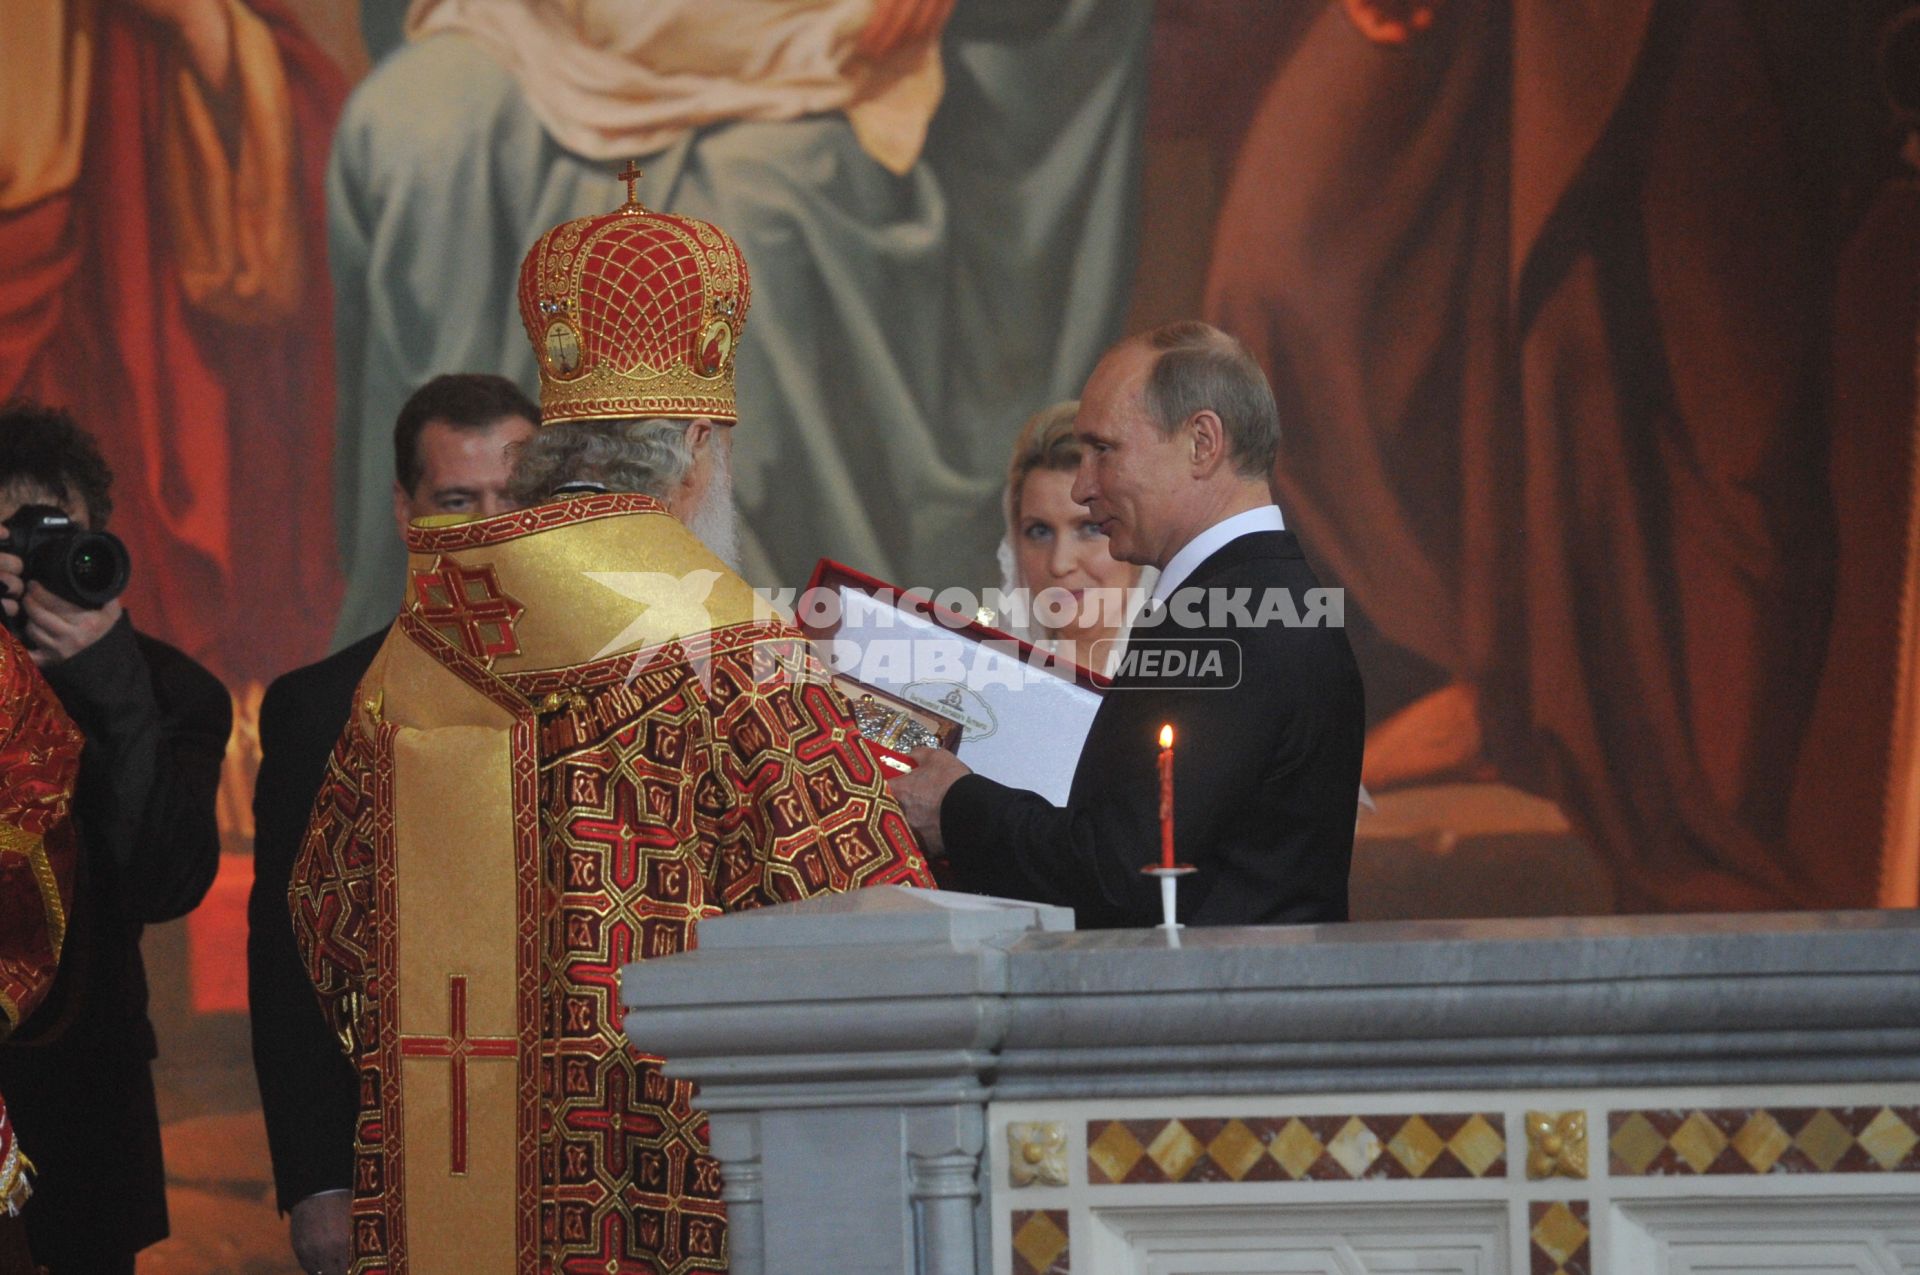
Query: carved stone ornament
[1556, 1144]
[1036, 1153]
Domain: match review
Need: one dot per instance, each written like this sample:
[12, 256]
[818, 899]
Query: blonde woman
[1079, 595]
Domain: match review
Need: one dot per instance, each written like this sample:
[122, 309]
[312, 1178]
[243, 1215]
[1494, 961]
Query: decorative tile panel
[1040, 1242]
[1299, 1148]
[1562, 1238]
[1749, 1140]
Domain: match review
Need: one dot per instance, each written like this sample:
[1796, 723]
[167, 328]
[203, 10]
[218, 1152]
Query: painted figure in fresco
[1548, 288]
[162, 276]
[583, 735]
[940, 212]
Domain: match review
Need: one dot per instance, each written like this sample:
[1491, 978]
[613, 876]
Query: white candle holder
[1169, 879]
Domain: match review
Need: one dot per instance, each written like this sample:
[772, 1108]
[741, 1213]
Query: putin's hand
[921, 790]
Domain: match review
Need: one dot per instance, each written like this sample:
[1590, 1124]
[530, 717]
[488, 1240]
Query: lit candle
[1166, 796]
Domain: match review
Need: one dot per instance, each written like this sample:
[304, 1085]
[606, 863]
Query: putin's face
[1131, 479]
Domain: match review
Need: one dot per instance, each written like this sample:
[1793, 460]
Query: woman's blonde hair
[1046, 442]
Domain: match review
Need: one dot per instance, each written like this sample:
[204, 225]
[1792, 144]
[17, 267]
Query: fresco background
[1593, 327]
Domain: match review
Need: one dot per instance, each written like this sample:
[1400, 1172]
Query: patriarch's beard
[716, 523]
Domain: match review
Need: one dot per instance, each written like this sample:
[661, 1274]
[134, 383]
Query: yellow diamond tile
[1698, 1141]
[1824, 1140]
[1761, 1141]
[1558, 1233]
[1416, 1146]
[1888, 1139]
[1296, 1148]
[1477, 1145]
[1174, 1149]
[1040, 1242]
[1115, 1152]
[1636, 1143]
[1236, 1149]
[1355, 1147]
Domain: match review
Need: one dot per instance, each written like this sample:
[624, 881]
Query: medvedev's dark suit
[309, 1092]
[78, 1076]
[1266, 776]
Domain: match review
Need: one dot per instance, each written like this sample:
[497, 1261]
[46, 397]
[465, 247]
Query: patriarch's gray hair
[651, 456]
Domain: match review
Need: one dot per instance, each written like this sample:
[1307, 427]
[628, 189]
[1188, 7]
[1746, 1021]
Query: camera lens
[92, 570]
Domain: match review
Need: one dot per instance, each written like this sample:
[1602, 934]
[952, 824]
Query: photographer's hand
[11, 569]
[58, 630]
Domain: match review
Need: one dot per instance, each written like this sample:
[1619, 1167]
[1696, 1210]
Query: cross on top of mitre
[631, 176]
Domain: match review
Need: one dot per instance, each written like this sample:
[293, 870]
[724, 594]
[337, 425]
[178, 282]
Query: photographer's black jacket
[1267, 774]
[77, 1076]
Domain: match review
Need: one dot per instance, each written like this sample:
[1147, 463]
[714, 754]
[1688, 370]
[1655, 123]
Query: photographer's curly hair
[45, 447]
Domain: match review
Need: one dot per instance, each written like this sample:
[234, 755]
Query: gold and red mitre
[634, 313]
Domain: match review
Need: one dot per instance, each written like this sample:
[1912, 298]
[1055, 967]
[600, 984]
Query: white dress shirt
[1209, 542]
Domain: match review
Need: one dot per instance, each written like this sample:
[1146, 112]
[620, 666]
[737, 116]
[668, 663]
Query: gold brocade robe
[583, 735]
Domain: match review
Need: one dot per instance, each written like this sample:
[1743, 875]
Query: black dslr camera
[87, 568]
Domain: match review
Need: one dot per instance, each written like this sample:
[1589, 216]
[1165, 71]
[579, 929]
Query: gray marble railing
[847, 1047]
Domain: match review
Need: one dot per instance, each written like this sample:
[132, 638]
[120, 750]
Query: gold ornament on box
[894, 723]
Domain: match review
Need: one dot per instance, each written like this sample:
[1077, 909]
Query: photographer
[78, 1075]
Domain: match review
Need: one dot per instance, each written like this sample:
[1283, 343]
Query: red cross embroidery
[456, 1046]
[468, 608]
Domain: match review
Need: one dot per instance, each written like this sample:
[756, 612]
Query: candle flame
[1166, 736]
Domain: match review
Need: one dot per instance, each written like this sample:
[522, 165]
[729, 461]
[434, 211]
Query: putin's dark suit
[1267, 770]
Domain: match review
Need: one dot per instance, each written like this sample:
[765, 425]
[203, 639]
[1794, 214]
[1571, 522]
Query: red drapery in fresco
[219, 434]
[1548, 299]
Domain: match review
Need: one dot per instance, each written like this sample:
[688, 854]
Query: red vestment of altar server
[551, 771]
[39, 761]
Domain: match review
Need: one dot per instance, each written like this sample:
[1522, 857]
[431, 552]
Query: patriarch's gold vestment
[544, 779]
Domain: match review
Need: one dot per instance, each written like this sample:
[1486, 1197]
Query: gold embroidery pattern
[39, 764]
[684, 789]
[467, 606]
[480, 533]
